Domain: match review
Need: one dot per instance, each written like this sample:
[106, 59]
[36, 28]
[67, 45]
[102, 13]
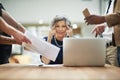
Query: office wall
[31, 11]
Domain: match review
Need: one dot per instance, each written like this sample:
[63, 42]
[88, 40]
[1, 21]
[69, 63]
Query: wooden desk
[58, 72]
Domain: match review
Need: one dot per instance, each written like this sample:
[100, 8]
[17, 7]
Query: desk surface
[57, 72]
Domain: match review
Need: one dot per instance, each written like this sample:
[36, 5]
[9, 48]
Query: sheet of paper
[42, 47]
[86, 12]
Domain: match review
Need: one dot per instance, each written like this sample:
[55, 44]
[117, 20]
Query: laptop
[84, 52]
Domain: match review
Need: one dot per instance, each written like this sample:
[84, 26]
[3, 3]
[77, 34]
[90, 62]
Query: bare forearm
[7, 28]
[7, 40]
[20, 27]
[95, 19]
[11, 21]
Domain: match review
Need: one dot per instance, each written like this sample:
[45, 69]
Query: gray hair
[60, 18]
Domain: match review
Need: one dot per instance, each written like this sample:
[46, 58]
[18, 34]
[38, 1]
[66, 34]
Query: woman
[60, 28]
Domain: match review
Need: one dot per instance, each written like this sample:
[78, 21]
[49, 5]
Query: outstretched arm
[11, 21]
[8, 40]
[19, 36]
[111, 19]
[94, 19]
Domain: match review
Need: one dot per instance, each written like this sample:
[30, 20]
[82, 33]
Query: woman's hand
[45, 60]
[69, 32]
[50, 34]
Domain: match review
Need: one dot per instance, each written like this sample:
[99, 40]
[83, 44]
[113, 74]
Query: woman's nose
[60, 28]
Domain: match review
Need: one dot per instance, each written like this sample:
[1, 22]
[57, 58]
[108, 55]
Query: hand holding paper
[42, 47]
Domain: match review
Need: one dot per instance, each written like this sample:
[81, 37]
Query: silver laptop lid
[84, 52]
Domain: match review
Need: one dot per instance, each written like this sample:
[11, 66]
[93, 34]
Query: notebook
[84, 52]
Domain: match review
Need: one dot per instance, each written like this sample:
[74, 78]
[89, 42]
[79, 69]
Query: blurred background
[36, 16]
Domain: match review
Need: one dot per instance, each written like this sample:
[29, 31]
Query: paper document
[42, 47]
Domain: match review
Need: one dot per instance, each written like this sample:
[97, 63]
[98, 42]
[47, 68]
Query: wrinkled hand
[69, 32]
[50, 34]
[94, 19]
[98, 30]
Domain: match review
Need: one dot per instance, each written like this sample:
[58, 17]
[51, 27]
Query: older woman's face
[61, 29]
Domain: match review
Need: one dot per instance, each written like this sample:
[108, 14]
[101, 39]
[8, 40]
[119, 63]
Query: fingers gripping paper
[42, 47]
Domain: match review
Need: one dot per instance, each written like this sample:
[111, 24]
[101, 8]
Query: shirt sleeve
[113, 19]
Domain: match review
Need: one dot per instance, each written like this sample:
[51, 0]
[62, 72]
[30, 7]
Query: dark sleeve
[1, 7]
